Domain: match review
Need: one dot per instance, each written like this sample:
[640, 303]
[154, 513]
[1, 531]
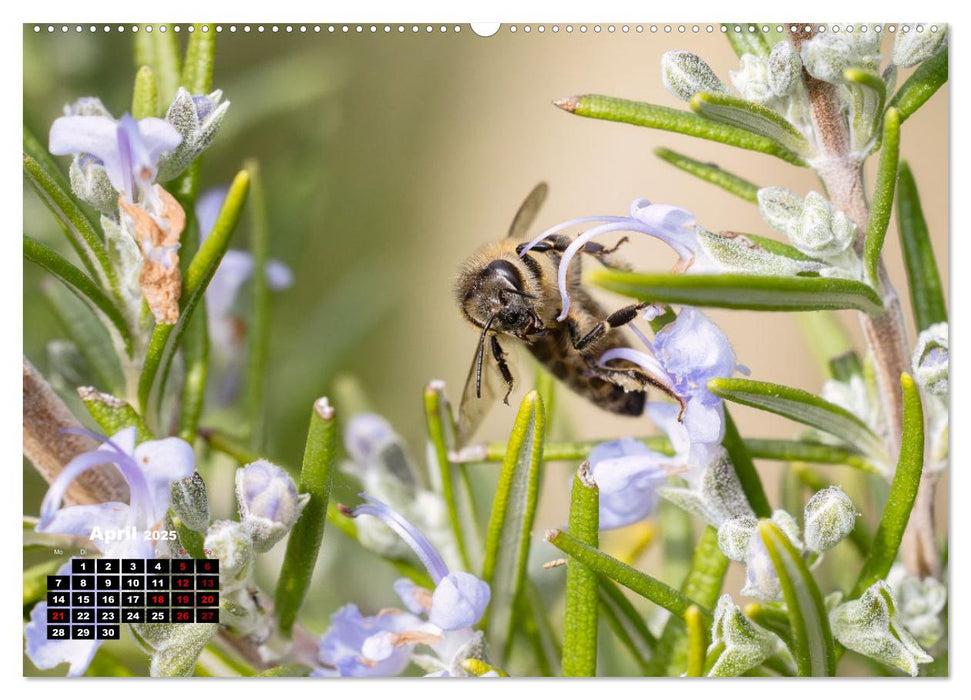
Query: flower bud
[734, 535]
[784, 69]
[87, 107]
[684, 75]
[829, 517]
[871, 626]
[90, 183]
[379, 452]
[190, 502]
[745, 644]
[917, 44]
[821, 230]
[197, 118]
[788, 525]
[919, 604]
[230, 543]
[752, 79]
[779, 207]
[827, 55]
[268, 502]
[761, 579]
[177, 655]
[931, 360]
[459, 601]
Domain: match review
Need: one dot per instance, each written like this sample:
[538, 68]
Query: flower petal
[459, 601]
[162, 462]
[628, 486]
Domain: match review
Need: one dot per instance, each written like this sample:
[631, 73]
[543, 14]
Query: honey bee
[508, 294]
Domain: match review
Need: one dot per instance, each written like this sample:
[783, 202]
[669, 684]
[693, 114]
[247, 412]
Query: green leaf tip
[924, 281]
[883, 195]
[813, 646]
[582, 591]
[316, 477]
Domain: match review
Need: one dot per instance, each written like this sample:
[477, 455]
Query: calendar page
[543, 349]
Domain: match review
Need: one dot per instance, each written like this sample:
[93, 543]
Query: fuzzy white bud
[684, 75]
[917, 44]
[829, 517]
[269, 504]
[931, 360]
[734, 535]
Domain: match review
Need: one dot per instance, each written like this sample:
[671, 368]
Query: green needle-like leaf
[82, 286]
[145, 96]
[697, 642]
[802, 407]
[667, 119]
[737, 291]
[813, 646]
[702, 583]
[921, 85]
[316, 475]
[160, 51]
[258, 337]
[748, 39]
[926, 291]
[626, 622]
[582, 594]
[437, 416]
[879, 219]
[199, 58]
[903, 492]
[605, 565]
[203, 266]
[112, 414]
[709, 172]
[751, 117]
[195, 355]
[511, 521]
[745, 470]
[77, 228]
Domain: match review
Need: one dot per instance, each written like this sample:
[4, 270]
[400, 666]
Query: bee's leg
[618, 318]
[636, 379]
[559, 243]
[500, 357]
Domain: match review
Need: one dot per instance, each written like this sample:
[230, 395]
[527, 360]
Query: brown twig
[841, 173]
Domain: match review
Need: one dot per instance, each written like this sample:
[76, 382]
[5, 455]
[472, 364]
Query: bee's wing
[481, 392]
[528, 211]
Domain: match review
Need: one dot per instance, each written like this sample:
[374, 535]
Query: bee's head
[495, 296]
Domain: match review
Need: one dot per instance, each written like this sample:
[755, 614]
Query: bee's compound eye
[507, 271]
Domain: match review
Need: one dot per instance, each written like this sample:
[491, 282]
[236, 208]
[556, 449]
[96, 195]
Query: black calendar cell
[157, 583]
[58, 615]
[183, 583]
[82, 583]
[207, 583]
[183, 615]
[157, 566]
[183, 600]
[207, 615]
[133, 599]
[82, 599]
[108, 566]
[158, 599]
[82, 566]
[160, 615]
[109, 631]
[82, 632]
[133, 566]
[132, 616]
[82, 616]
[132, 583]
[55, 599]
[109, 599]
[58, 631]
[207, 566]
[183, 566]
[204, 599]
[108, 583]
[108, 616]
[58, 583]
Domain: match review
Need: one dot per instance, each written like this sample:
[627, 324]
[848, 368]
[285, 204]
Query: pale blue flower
[129, 150]
[269, 504]
[382, 645]
[235, 268]
[627, 474]
[149, 469]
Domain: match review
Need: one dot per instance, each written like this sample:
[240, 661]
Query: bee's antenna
[480, 356]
